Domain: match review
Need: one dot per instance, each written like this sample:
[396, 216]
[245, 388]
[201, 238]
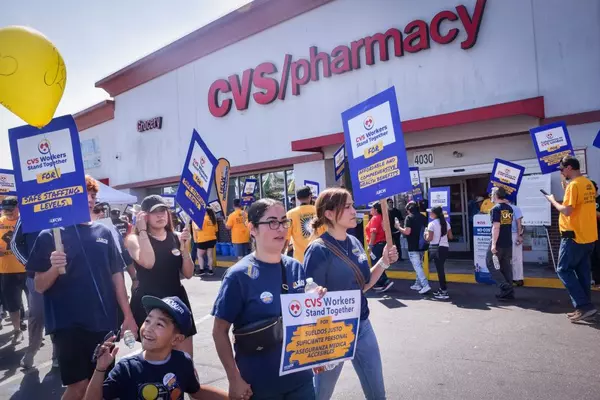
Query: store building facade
[265, 87]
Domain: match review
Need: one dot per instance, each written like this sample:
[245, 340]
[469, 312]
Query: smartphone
[544, 192]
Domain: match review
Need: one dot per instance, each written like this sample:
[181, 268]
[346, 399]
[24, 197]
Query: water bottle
[496, 261]
[311, 286]
[129, 339]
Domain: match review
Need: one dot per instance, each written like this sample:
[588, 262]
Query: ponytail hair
[332, 199]
[439, 214]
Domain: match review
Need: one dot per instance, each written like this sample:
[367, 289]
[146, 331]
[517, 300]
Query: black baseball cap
[152, 202]
[174, 307]
[9, 203]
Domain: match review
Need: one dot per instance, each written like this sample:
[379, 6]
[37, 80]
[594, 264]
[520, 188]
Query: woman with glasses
[160, 257]
[338, 261]
[249, 299]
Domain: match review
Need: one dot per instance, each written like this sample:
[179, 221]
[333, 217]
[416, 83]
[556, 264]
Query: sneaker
[424, 290]
[505, 297]
[441, 294]
[23, 326]
[211, 272]
[416, 286]
[27, 361]
[579, 315]
[202, 272]
[387, 286]
[55, 363]
[17, 337]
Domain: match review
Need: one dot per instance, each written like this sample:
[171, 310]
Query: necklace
[344, 248]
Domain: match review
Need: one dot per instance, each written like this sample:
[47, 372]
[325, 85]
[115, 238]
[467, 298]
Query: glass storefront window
[234, 193]
[273, 185]
[290, 185]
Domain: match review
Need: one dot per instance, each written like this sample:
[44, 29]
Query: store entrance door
[463, 192]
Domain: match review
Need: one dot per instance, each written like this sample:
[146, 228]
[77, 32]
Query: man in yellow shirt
[240, 235]
[206, 240]
[578, 231]
[12, 272]
[301, 218]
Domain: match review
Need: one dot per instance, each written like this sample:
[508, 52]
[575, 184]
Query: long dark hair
[439, 214]
[332, 199]
[211, 215]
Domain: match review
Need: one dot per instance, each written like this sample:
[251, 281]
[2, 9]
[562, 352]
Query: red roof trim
[244, 22]
[95, 115]
[236, 170]
[533, 107]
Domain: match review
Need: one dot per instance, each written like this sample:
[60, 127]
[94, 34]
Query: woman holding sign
[338, 261]
[160, 255]
[249, 299]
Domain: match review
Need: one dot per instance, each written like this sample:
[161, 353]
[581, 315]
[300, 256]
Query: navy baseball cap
[174, 307]
[9, 203]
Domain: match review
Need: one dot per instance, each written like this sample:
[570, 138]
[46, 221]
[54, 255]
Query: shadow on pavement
[49, 388]
[10, 360]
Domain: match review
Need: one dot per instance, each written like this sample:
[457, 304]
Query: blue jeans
[416, 259]
[304, 392]
[367, 363]
[241, 249]
[574, 272]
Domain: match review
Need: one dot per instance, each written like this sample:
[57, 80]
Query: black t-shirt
[417, 224]
[136, 378]
[393, 214]
[503, 213]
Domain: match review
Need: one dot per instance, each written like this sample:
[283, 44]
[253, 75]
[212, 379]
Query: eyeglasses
[274, 224]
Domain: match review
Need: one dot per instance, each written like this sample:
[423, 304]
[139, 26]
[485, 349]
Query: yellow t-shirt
[8, 262]
[581, 195]
[486, 206]
[207, 233]
[239, 230]
[300, 230]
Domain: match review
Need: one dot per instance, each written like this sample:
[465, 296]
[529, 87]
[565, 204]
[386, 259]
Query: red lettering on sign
[313, 303]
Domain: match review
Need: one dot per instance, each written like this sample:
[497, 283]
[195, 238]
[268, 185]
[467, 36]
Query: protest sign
[314, 187]
[551, 143]
[170, 200]
[197, 179]
[377, 155]
[250, 185]
[415, 180]
[222, 182]
[507, 175]
[318, 331]
[216, 206]
[596, 142]
[49, 175]
[7, 183]
[482, 237]
[534, 205]
[339, 162]
[440, 196]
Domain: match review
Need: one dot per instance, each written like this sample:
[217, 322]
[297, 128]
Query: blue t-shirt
[136, 378]
[84, 297]
[331, 272]
[503, 213]
[250, 292]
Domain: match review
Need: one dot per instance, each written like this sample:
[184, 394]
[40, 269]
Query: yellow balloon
[33, 75]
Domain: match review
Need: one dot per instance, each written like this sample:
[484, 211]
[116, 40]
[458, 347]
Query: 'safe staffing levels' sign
[49, 175]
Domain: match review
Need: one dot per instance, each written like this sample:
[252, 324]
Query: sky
[97, 38]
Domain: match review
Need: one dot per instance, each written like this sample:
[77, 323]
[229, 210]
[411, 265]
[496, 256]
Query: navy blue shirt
[85, 296]
[332, 272]
[503, 213]
[250, 292]
[136, 378]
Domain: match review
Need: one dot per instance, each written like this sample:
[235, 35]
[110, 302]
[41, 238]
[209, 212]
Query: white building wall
[312, 171]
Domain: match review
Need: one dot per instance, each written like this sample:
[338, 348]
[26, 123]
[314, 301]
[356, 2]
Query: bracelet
[383, 265]
[187, 256]
[101, 370]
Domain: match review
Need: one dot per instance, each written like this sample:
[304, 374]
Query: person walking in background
[395, 215]
[579, 231]
[301, 218]
[517, 245]
[206, 239]
[438, 233]
[12, 272]
[414, 230]
[376, 235]
[338, 261]
[240, 235]
[499, 255]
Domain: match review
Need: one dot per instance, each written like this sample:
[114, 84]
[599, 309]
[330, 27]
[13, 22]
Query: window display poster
[482, 237]
[7, 183]
[533, 204]
[415, 180]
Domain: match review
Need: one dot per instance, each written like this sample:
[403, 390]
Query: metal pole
[550, 246]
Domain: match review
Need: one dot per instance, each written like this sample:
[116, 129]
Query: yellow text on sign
[52, 195]
[378, 172]
[376, 148]
[48, 176]
[198, 180]
[322, 341]
[52, 204]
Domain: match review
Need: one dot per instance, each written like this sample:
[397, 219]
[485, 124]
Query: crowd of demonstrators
[338, 262]
[376, 235]
[517, 245]
[300, 218]
[81, 304]
[160, 256]
[205, 240]
[414, 230]
[12, 272]
[159, 371]
[240, 235]
[438, 234]
[249, 299]
[395, 216]
[499, 254]
[579, 232]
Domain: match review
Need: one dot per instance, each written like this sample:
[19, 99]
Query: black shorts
[75, 347]
[13, 286]
[206, 245]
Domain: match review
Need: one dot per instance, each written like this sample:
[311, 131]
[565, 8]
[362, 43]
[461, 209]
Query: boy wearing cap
[158, 372]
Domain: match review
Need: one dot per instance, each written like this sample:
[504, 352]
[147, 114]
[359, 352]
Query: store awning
[106, 194]
[533, 107]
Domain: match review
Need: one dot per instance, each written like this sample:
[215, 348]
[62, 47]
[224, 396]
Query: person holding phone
[160, 257]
